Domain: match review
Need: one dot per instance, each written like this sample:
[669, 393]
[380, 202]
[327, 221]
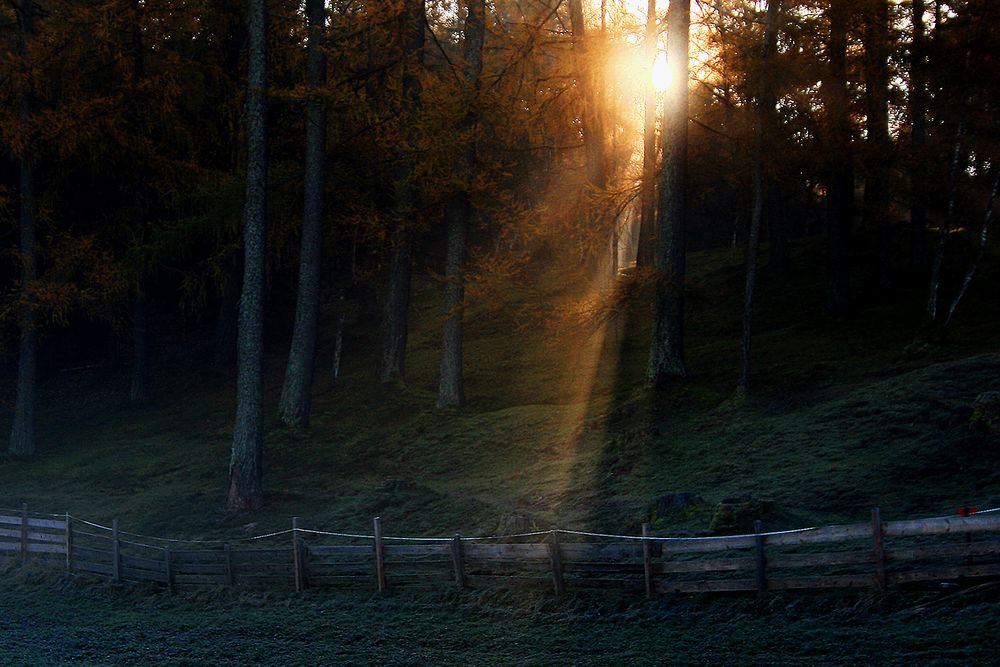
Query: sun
[661, 73]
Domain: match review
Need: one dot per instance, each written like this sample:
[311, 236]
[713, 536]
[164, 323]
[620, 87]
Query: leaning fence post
[647, 561]
[69, 543]
[878, 537]
[24, 533]
[758, 529]
[229, 564]
[116, 560]
[456, 557]
[556, 557]
[379, 556]
[169, 567]
[297, 555]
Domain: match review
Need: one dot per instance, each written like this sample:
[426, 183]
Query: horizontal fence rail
[874, 554]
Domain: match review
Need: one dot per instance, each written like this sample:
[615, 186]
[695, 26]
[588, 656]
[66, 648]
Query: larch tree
[296, 394]
[918, 136]
[22, 438]
[839, 167]
[246, 465]
[458, 213]
[763, 141]
[647, 206]
[395, 320]
[666, 354]
[878, 152]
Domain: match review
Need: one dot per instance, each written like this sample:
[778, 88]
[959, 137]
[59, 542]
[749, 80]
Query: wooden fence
[873, 554]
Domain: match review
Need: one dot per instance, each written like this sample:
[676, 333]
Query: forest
[497, 267]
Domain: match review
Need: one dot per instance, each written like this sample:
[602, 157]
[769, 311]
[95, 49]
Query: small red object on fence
[967, 511]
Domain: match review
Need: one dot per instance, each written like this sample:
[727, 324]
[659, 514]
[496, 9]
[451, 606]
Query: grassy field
[845, 415]
[48, 623]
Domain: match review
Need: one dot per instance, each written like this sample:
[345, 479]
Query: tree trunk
[984, 232]
[296, 394]
[918, 138]
[647, 219]
[140, 391]
[666, 355]
[876, 197]
[22, 436]
[397, 303]
[763, 137]
[840, 178]
[245, 468]
[450, 390]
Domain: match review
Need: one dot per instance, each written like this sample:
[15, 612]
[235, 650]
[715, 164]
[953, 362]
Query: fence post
[69, 543]
[379, 555]
[168, 566]
[456, 558]
[878, 537]
[116, 560]
[758, 529]
[229, 565]
[24, 534]
[647, 562]
[556, 556]
[297, 555]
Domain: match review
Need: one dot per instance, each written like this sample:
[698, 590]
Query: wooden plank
[50, 538]
[213, 579]
[96, 568]
[379, 556]
[200, 556]
[605, 583]
[341, 550]
[838, 581]
[199, 568]
[458, 564]
[555, 555]
[821, 558]
[705, 565]
[647, 563]
[229, 566]
[142, 574]
[708, 586]
[95, 555]
[7, 519]
[14, 533]
[480, 580]
[35, 548]
[619, 551]
[314, 569]
[944, 525]
[442, 549]
[47, 523]
[136, 562]
[989, 548]
[945, 573]
[478, 551]
[281, 555]
[11, 546]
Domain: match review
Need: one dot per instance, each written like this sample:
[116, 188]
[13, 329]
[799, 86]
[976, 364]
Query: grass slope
[845, 415]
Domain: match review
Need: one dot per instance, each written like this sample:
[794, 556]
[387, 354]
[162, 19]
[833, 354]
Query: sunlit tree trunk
[984, 232]
[763, 140]
[450, 389]
[647, 216]
[395, 321]
[918, 137]
[22, 437]
[245, 467]
[296, 394]
[666, 355]
[876, 197]
[840, 178]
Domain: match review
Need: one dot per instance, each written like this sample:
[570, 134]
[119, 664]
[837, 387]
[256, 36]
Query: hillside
[845, 415]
